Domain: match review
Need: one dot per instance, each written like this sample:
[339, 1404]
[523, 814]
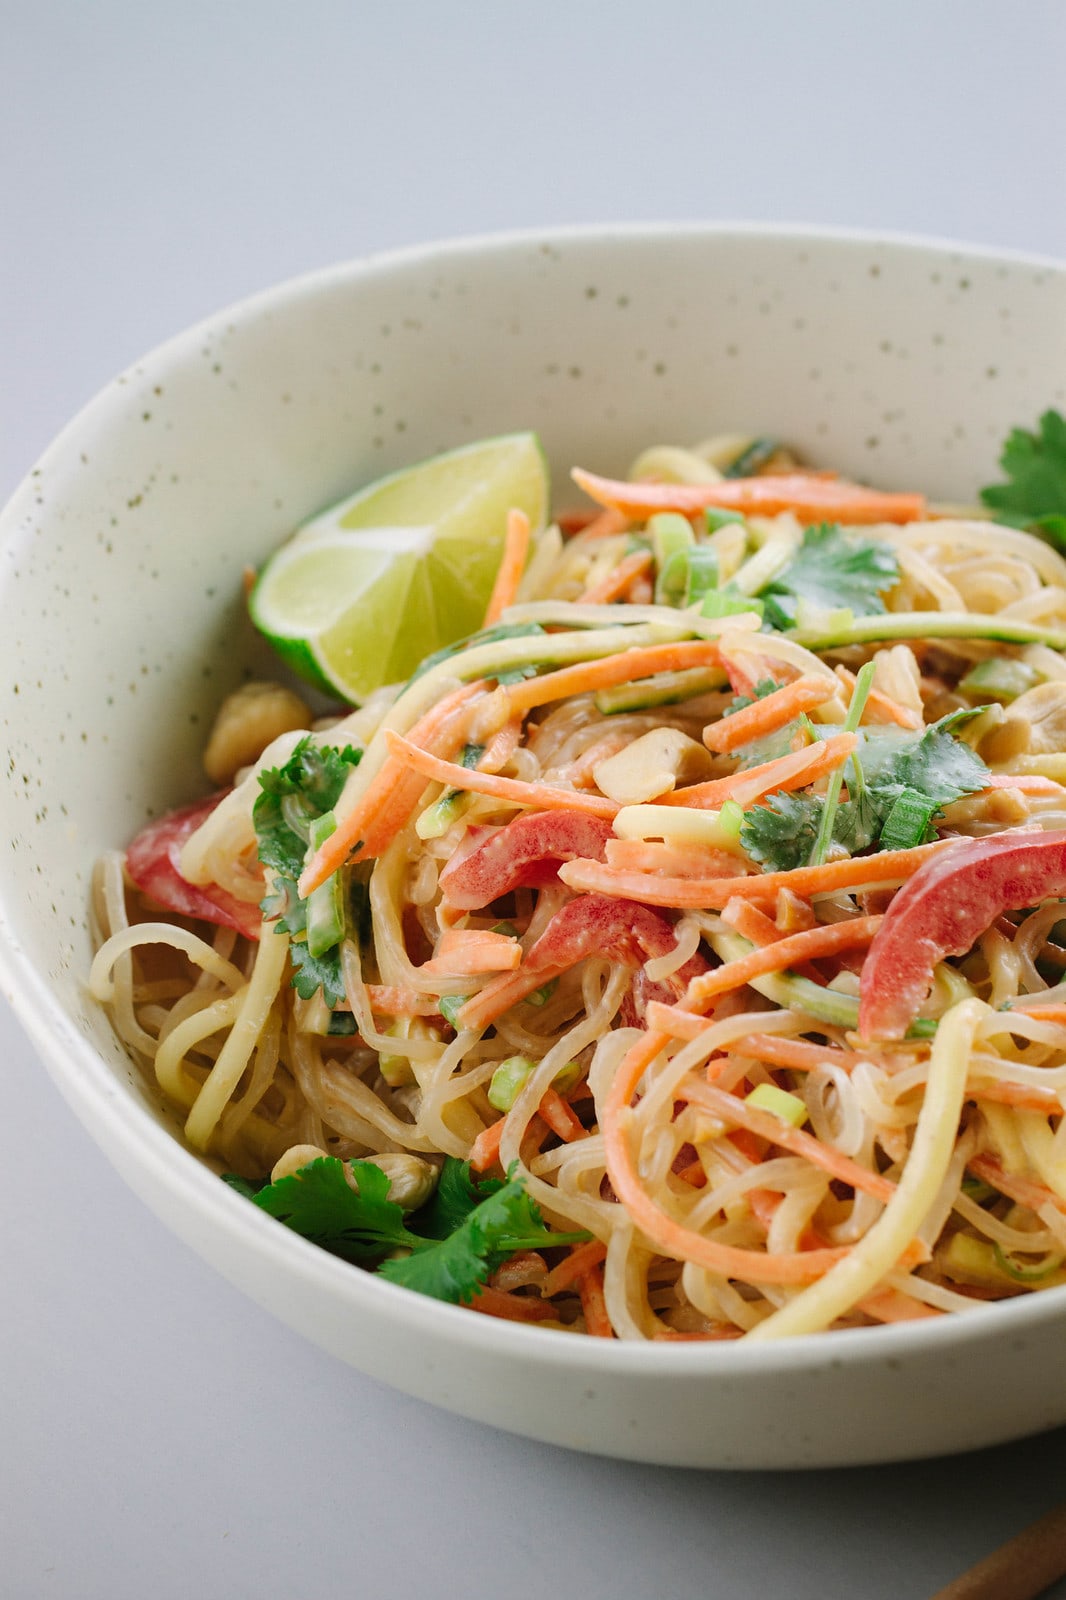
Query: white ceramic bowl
[902, 362]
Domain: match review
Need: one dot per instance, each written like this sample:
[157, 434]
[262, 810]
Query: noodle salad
[680, 956]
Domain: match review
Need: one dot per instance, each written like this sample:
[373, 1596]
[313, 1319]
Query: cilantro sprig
[1034, 495]
[291, 800]
[831, 571]
[455, 1242]
[897, 784]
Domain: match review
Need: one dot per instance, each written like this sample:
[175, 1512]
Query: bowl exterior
[120, 559]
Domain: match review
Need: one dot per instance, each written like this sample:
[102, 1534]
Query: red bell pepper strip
[942, 911]
[153, 862]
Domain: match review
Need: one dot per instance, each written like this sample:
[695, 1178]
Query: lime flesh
[362, 593]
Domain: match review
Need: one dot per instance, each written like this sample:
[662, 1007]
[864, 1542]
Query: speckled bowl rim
[97, 1097]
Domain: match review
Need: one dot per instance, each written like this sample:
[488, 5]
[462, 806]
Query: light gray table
[159, 1436]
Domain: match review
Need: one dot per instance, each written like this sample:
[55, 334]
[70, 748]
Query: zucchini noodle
[511, 952]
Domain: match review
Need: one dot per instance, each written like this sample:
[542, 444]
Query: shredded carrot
[501, 993]
[751, 923]
[1024, 1096]
[512, 1307]
[501, 747]
[512, 565]
[485, 1150]
[393, 1000]
[593, 1304]
[813, 499]
[783, 953]
[1026, 1191]
[684, 860]
[892, 1305]
[615, 585]
[392, 794]
[890, 866]
[1024, 782]
[799, 1055]
[668, 1235]
[625, 666]
[582, 1257]
[881, 707]
[769, 714]
[469, 951]
[764, 1125]
[793, 771]
[539, 796]
[1032, 1007]
[559, 1117]
[607, 523]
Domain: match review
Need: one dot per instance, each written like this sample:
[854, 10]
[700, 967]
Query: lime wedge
[363, 592]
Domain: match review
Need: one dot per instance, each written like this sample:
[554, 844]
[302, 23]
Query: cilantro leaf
[831, 570]
[319, 1204]
[896, 788]
[311, 973]
[456, 1195]
[457, 1240]
[457, 1267]
[740, 702]
[934, 763]
[1035, 494]
[292, 797]
[780, 834]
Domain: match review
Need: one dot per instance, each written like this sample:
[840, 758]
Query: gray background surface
[160, 1436]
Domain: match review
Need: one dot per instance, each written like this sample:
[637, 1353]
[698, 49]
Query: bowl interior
[120, 586]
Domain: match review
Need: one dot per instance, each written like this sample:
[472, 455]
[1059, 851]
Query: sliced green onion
[757, 454]
[1000, 678]
[859, 695]
[907, 824]
[325, 905]
[768, 1097]
[716, 519]
[510, 1076]
[721, 603]
[540, 997]
[450, 1005]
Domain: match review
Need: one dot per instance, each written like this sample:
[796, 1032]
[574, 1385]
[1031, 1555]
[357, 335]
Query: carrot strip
[393, 1000]
[881, 707]
[616, 583]
[751, 923]
[512, 565]
[625, 666]
[776, 957]
[800, 1055]
[813, 499]
[559, 1117]
[1024, 782]
[1026, 1191]
[608, 522]
[891, 1305]
[794, 771]
[593, 1304]
[764, 1125]
[469, 951]
[512, 1307]
[684, 861]
[392, 794]
[890, 866]
[539, 796]
[485, 1150]
[581, 1259]
[1025, 1096]
[501, 993]
[765, 716]
[668, 1235]
[501, 747]
[1042, 1013]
